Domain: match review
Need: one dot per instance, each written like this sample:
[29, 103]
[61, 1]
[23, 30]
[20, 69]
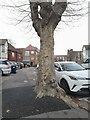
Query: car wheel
[65, 86]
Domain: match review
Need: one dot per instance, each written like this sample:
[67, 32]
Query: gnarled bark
[46, 73]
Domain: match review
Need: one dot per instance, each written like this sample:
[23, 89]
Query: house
[7, 51]
[60, 58]
[86, 51]
[30, 54]
[4, 48]
[74, 56]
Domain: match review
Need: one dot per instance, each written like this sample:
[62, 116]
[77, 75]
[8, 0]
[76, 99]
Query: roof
[30, 47]
[12, 48]
[87, 47]
[2, 41]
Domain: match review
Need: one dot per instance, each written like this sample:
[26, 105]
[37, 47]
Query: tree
[45, 23]
[45, 17]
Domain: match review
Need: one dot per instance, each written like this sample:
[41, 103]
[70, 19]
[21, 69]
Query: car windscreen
[4, 62]
[71, 67]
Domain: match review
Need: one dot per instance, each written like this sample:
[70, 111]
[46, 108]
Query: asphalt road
[19, 99]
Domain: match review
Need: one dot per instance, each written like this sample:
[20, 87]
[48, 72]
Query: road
[19, 99]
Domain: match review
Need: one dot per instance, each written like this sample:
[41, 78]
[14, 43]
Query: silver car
[5, 67]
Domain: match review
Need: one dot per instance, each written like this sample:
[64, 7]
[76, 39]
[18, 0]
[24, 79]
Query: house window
[19, 56]
[27, 53]
[63, 59]
[27, 58]
[3, 48]
[57, 58]
[32, 58]
[32, 52]
[13, 54]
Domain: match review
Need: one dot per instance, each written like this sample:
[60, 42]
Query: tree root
[56, 92]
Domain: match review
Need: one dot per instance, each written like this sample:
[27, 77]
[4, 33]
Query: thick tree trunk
[46, 72]
[45, 22]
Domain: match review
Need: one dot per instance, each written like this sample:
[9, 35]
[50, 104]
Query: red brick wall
[11, 57]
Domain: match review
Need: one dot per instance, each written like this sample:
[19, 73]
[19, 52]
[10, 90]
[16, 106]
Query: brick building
[30, 54]
[74, 56]
[14, 54]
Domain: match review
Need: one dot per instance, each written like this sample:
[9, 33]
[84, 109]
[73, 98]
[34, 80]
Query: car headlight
[73, 78]
[77, 78]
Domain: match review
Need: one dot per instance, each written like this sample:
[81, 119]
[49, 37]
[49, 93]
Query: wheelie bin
[13, 69]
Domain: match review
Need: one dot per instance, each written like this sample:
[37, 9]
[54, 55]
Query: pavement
[19, 100]
[70, 113]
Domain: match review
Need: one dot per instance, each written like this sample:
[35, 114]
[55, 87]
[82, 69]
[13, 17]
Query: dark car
[26, 63]
[20, 65]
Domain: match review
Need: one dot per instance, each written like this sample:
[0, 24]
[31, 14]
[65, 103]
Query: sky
[73, 36]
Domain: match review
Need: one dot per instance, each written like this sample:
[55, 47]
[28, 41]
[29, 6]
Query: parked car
[86, 64]
[72, 77]
[13, 63]
[5, 67]
[20, 65]
[26, 63]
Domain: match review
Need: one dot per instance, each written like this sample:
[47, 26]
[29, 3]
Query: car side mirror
[58, 69]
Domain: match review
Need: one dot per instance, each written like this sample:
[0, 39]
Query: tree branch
[35, 16]
[58, 9]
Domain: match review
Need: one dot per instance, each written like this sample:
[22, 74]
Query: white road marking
[8, 111]
[25, 81]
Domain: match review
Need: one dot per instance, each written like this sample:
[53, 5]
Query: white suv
[5, 67]
[72, 77]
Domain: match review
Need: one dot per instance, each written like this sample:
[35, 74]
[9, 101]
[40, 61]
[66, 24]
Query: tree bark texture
[46, 71]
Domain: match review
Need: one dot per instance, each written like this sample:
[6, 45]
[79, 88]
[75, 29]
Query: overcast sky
[66, 37]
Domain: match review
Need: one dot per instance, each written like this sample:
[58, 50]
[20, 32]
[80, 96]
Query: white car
[72, 77]
[5, 67]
